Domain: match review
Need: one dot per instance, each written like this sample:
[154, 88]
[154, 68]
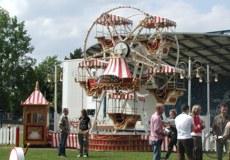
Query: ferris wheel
[134, 47]
[130, 53]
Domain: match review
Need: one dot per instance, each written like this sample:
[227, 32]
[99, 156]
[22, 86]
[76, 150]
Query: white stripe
[109, 66]
[124, 69]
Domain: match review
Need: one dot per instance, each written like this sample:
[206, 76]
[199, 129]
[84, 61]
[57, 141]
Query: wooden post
[17, 136]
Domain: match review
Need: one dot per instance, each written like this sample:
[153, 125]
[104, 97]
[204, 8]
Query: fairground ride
[126, 64]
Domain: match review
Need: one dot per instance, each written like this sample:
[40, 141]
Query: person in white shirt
[184, 126]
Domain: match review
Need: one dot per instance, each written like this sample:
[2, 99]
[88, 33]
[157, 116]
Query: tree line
[19, 71]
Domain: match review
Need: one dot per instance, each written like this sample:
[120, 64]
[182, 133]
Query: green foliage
[16, 67]
[45, 75]
[77, 53]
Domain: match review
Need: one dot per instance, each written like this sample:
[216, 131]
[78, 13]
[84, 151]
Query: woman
[172, 135]
[83, 128]
[198, 125]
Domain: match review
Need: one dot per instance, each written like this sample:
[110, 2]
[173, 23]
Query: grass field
[51, 154]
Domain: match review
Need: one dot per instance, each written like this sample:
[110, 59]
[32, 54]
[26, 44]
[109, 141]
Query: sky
[57, 27]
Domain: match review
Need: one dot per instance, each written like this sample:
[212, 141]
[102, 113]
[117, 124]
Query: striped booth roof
[36, 98]
[93, 63]
[118, 67]
[157, 22]
[126, 96]
[111, 20]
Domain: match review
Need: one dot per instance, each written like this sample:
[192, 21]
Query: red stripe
[115, 65]
[120, 68]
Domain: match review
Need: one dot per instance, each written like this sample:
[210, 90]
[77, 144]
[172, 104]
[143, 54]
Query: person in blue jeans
[156, 131]
[64, 128]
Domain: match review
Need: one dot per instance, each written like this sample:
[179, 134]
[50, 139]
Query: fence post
[9, 138]
[17, 136]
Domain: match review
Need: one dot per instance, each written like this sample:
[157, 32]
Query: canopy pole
[189, 83]
[208, 97]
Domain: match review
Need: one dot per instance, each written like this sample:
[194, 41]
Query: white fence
[8, 135]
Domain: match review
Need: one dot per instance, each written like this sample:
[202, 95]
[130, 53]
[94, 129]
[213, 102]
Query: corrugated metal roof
[211, 48]
[208, 48]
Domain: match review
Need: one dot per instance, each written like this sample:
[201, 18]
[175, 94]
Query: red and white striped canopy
[163, 69]
[93, 63]
[36, 98]
[111, 20]
[125, 96]
[118, 67]
[157, 22]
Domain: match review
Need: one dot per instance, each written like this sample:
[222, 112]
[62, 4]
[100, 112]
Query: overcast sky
[57, 27]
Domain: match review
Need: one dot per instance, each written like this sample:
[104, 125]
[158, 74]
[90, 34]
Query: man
[156, 131]
[218, 126]
[172, 132]
[64, 128]
[184, 128]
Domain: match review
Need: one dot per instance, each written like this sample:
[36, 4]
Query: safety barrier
[111, 142]
[9, 135]
[72, 141]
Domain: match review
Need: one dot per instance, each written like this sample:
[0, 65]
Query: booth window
[91, 112]
[28, 118]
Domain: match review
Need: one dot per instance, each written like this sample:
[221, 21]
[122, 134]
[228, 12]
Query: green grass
[51, 154]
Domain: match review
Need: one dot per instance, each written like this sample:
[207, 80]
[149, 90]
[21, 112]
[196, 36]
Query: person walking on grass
[83, 133]
[172, 132]
[198, 126]
[218, 127]
[64, 129]
[156, 131]
[184, 126]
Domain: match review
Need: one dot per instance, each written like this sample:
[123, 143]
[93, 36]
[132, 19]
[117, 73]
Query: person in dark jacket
[83, 133]
[64, 129]
[218, 126]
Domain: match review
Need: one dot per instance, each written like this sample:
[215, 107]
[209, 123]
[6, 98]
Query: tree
[77, 53]
[16, 67]
[45, 75]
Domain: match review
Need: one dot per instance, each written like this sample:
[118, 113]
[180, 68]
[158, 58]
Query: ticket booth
[35, 119]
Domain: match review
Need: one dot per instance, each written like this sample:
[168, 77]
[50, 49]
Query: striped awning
[163, 69]
[118, 67]
[36, 98]
[93, 63]
[125, 96]
[111, 20]
[157, 22]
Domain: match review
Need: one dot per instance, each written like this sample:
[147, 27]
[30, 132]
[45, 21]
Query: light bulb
[200, 80]
[181, 76]
[216, 78]
[197, 74]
